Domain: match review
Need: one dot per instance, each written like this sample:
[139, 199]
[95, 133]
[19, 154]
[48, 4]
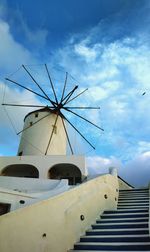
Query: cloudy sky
[105, 46]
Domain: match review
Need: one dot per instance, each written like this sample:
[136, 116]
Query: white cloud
[99, 165]
[143, 147]
[15, 96]
[12, 54]
[105, 90]
[117, 74]
[137, 171]
[11, 118]
[98, 93]
[36, 37]
[86, 52]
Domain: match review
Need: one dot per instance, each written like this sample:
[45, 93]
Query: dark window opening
[66, 171]
[30, 123]
[20, 153]
[36, 115]
[21, 170]
[4, 208]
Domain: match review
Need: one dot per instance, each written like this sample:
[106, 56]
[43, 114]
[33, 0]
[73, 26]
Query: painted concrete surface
[55, 224]
[44, 163]
[21, 192]
[28, 184]
[35, 136]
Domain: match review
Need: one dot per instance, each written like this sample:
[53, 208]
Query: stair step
[123, 229]
[140, 210]
[123, 246]
[131, 201]
[133, 198]
[114, 235]
[133, 204]
[132, 207]
[118, 238]
[131, 220]
[124, 225]
[124, 215]
[120, 231]
[133, 194]
[134, 190]
[102, 250]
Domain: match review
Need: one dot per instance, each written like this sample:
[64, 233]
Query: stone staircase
[125, 229]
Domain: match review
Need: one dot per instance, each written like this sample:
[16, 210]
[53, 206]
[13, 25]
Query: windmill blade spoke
[69, 95]
[84, 119]
[35, 81]
[49, 142]
[56, 105]
[51, 83]
[23, 105]
[67, 135]
[33, 124]
[79, 132]
[77, 95]
[82, 107]
[30, 90]
[38, 85]
[64, 88]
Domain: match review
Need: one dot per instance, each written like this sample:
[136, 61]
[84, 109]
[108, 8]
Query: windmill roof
[45, 109]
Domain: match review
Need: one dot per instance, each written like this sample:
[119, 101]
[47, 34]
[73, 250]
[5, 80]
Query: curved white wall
[34, 140]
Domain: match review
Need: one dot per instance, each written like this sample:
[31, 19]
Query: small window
[20, 153]
[36, 114]
[30, 123]
[4, 208]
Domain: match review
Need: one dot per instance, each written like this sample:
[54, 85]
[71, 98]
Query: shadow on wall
[20, 170]
[66, 171]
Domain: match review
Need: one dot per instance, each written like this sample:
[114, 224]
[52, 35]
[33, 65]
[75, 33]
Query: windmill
[50, 114]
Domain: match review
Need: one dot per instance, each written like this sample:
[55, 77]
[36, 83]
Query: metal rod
[82, 107]
[38, 85]
[67, 135]
[51, 83]
[64, 88]
[79, 132]
[69, 95]
[23, 105]
[84, 119]
[77, 95]
[33, 124]
[51, 134]
[30, 90]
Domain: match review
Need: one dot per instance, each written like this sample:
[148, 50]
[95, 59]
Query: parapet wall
[43, 164]
[57, 223]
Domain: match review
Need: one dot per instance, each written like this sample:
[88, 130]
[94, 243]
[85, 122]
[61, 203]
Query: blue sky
[105, 46]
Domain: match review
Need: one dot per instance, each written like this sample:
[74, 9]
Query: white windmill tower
[45, 128]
